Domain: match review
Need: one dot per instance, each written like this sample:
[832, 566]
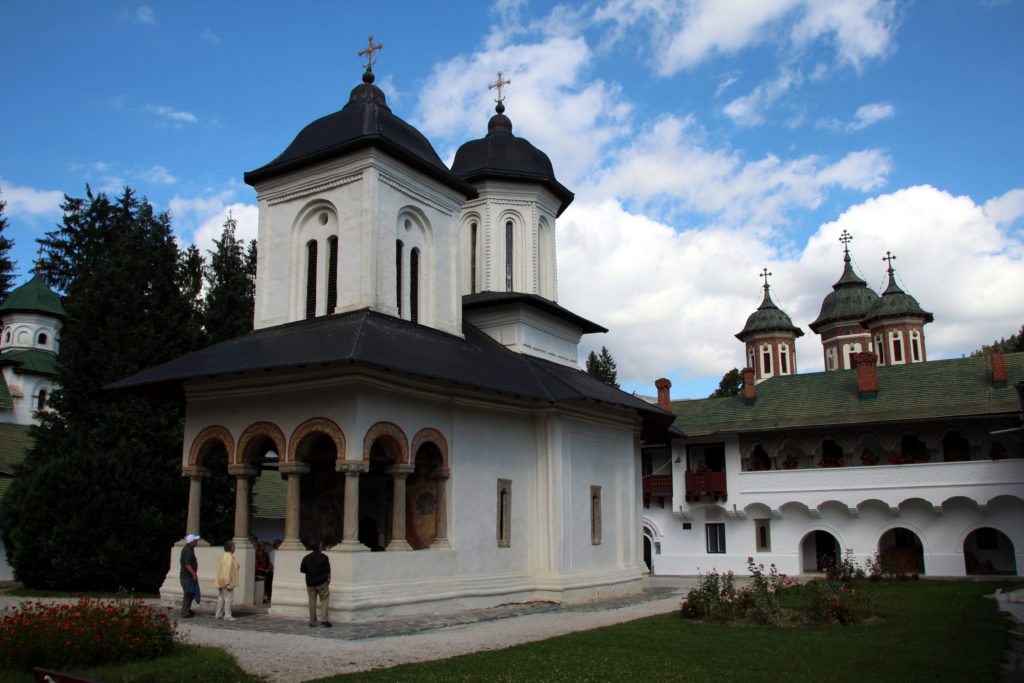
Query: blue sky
[704, 141]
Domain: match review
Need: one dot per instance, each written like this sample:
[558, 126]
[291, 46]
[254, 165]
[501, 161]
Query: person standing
[189, 575]
[317, 569]
[226, 582]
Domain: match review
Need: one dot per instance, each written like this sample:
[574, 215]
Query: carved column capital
[247, 471]
[401, 470]
[352, 466]
[287, 468]
[195, 472]
[442, 473]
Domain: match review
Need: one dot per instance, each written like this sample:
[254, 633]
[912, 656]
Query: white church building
[414, 380]
[885, 453]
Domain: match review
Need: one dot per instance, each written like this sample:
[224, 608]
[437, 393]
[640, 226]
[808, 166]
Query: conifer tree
[603, 367]
[230, 281]
[100, 498]
[6, 265]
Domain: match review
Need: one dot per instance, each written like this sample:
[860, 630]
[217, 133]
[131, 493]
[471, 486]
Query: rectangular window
[472, 258]
[897, 350]
[595, 515]
[766, 362]
[508, 256]
[783, 360]
[332, 274]
[715, 533]
[311, 279]
[763, 535]
[915, 348]
[504, 513]
[398, 275]
[414, 285]
[881, 350]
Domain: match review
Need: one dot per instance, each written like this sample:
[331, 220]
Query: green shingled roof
[14, 442]
[269, 493]
[936, 389]
[5, 395]
[35, 297]
[31, 360]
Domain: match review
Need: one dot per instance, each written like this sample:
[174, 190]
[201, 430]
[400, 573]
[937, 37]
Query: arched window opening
[311, 279]
[7, 337]
[900, 552]
[509, 234]
[783, 359]
[41, 400]
[322, 492]
[398, 275]
[472, 258]
[332, 274]
[897, 349]
[759, 460]
[42, 339]
[989, 551]
[881, 349]
[766, 360]
[912, 449]
[414, 285]
[376, 495]
[831, 454]
[819, 551]
[915, 346]
[955, 447]
[422, 507]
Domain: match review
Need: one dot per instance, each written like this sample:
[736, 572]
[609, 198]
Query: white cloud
[673, 299]
[1006, 209]
[748, 109]
[726, 83]
[866, 115]
[171, 113]
[209, 36]
[29, 200]
[246, 215]
[144, 15]
[160, 175]
[199, 220]
[860, 29]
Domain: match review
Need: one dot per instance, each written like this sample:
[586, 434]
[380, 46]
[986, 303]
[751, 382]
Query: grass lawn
[188, 663]
[22, 592]
[929, 631]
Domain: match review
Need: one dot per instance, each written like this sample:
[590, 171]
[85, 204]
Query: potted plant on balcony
[791, 462]
[997, 452]
[867, 458]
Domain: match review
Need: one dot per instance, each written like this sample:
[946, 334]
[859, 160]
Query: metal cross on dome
[846, 238]
[368, 53]
[890, 257]
[765, 274]
[499, 84]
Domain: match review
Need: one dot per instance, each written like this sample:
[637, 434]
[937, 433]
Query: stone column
[350, 522]
[398, 542]
[441, 532]
[292, 472]
[195, 474]
[244, 474]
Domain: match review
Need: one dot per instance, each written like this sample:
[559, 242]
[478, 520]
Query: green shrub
[87, 633]
[832, 602]
[716, 596]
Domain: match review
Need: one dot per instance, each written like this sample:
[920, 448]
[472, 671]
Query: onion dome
[504, 156]
[768, 318]
[849, 299]
[366, 121]
[895, 303]
[33, 297]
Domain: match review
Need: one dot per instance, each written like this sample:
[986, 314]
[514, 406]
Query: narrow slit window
[766, 361]
[398, 275]
[764, 535]
[897, 350]
[504, 516]
[414, 285]
[311, 279]
[41, 402]
[509, 234]
[595, 515]
[784, 360]
[915, 347]
[881, 350]
[472, 258]
[332, 274]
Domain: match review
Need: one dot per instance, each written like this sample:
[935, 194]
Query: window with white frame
[715, 534]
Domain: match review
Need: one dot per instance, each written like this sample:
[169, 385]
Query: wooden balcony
[658, 485]
[710, 484]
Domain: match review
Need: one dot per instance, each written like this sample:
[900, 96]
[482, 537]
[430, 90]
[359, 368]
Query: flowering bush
[717, 597]
[833, 603]
[846, 570]
[713, 596]
[87, 633]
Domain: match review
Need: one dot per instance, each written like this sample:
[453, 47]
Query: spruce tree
[230, 282]
[6, 265]
[603, 367]
[101, 498]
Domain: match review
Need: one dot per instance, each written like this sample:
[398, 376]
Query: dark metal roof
[502, 155]
[34, 297]
[768, 318]
[849, 301]
[481, 300]
[366, 121]
[35, 361]
[895, 303]
[374, 340]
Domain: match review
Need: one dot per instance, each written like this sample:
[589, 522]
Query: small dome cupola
[770, 338]
[502, 155]
[33, 297]
[896, 322]
[843, 308]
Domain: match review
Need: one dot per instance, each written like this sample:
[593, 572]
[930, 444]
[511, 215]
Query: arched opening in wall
[421, 499]
[831, 454]
[376, 493]
[217, 505]
[42, 339]
[7, 337]
[509, 247]
[819, 550]
[41, 399]
[912, 449]
[649, 554]
[472, 257]
[311, 250]
[955, 447]
[759, 460]
[322, 491]
[791, 457]
[332, 274]
[269, 491]
[900, 552]
[880, 349]
[784, 364]
[414, 285]
[398, 275]
[989, 551]
[1003, 446]
[869, 451]
[915, 346]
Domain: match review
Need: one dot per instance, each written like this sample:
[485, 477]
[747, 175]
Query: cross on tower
[368, 53]
[890, 257]
[846, 238]
[765, 274]
[499, 84]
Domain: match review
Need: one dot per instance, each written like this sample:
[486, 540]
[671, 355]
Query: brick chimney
[867, 374]
[664, 395]
[749, 388]
[999, 377]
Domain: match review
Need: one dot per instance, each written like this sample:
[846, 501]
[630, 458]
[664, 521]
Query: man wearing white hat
[189, 575]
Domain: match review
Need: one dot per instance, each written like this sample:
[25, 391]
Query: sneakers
[229, 618]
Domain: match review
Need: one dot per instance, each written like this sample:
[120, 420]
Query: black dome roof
[503, 155]
[849, 299]
[768, 318]
[895, 303]
[364, 122]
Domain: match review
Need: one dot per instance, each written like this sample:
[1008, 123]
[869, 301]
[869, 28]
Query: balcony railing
[711, 484]
[658, 485]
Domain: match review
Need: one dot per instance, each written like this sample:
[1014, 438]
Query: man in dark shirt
[317, 569]
[189, 575]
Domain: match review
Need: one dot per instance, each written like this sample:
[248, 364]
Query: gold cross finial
[846, 238]
[499, 84]
[890, 257]
[765, 274]
[368, 53]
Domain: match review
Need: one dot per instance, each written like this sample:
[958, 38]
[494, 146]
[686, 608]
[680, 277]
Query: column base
[440, 543]
[292, 544]
[398, 544]
[243, 543]
[350, 547]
